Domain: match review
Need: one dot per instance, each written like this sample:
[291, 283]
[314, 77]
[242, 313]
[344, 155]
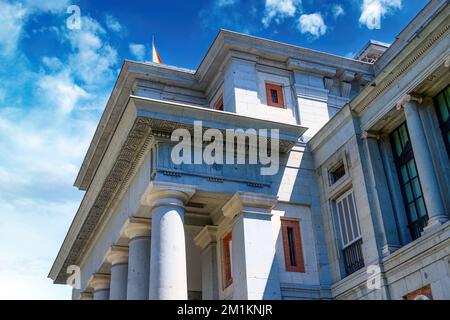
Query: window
[348, 219]
[337, 172]
[442, 103]
[409, 181]
[274, 95]
[219, 104]
[350, 232]
[292, 245]
[227, 262]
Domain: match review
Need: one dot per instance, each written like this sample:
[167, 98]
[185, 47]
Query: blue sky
[54, 83]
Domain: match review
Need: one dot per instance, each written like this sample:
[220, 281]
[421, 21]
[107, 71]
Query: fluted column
[118, 257]
[168, 275]
[207, 241]
[424, 162]
[100, 284]
[380, 204]
[137, 230]
[254, 264]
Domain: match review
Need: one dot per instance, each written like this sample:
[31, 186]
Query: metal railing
[353, 257]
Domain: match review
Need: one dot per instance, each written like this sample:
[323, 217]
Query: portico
[164, 275]
[366, 188]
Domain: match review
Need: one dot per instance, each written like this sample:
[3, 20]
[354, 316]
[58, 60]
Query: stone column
[424, 162]
[207, 241]
[380, 203]
[100, 283]
[138, 231]
[118, 257]
[254, 263]
[168, 275]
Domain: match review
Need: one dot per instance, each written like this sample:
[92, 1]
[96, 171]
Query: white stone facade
[150, 229]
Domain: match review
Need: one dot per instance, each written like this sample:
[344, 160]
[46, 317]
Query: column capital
[249, 202]
[407, 98]
[370, 135]
[166, 193]
[136, 227]
[117, 254]
[206, 236]
[99, 281]
[86, 295]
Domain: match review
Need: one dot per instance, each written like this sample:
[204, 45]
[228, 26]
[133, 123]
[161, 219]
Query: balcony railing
[353, 257]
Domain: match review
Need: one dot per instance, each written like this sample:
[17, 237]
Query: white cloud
[12, 20]
[313, 24]
[373, 10]
[138, 51]
[53, 6]
[33, 226]
[94, 59]
[44, 150]
[2, 94]
[279, 9]
[45, 131]
[113, 24]
[60, 91]
[13, 17]
[226, 3]
[52, 63]
[338, 11]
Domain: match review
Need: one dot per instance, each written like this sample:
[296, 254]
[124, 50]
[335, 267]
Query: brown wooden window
[219, 104]
[292, 243]
[274, 94]
[227, 262]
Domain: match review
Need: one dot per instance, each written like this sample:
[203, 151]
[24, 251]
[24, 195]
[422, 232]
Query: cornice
[124, 165]
[386, 80]
[148, 118]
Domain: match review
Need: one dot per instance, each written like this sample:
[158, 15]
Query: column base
[389, 248]
[434, 223]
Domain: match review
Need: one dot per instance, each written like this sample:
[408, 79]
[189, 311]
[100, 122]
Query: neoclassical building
[359, 208]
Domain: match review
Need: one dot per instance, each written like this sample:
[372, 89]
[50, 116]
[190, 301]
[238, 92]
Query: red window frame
[278, 90]
[226, 258]
[219, 104]
[292, 244]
